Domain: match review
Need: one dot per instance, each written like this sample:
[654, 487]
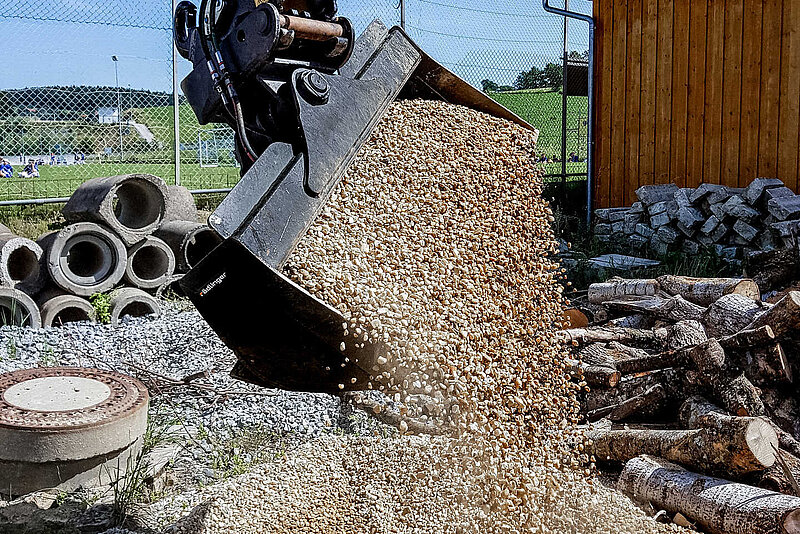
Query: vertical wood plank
[789, 121]
[732, 92]
[712, 115]
[663, 125]
[680, 92]
[603, 10]
[619, 179]
[647, 114]
[697, 79]
[633, 96]
[751, 91]
[770, 89]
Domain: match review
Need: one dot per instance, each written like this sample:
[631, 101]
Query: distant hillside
[73, 102]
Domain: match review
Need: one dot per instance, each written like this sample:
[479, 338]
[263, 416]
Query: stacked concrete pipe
[129, 229]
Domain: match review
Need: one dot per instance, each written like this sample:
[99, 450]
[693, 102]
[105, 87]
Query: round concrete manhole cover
[66, 398]
[57, 393]
[63, 427]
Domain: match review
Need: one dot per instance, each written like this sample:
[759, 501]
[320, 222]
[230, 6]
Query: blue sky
[70, 42]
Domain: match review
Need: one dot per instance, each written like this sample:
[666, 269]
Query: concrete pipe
[84, 258]
[133, 302]
[180, 204]
[190, 241]
[151, 263]
[18, 309]
[132, 205]
[170, 287]
[63, 309]
[20, 263]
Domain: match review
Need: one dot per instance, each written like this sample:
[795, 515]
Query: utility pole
[403, 14]
[115, 59]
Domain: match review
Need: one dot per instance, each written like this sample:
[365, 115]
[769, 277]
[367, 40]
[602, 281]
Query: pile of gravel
[439, 243]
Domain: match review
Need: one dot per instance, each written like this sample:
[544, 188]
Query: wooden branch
[601, 334]
[746, 339]
[783, 318]
[593, 374]
[706, 291]
[768, 366]
[618, 288]
[632, 386]
[739, 396]
[653, 399]
[736, 445]
[719, 506]
[783, 476]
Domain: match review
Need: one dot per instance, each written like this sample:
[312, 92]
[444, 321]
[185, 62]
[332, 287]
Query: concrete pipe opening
[23, 264]
[132, 302]
[138, 203]
[84, 258]
[87, 259]
[71, 314]
[150, 263]
[200, 245]
[18, 309]
[137, 309]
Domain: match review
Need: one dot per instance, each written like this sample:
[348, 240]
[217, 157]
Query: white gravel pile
[438, 242]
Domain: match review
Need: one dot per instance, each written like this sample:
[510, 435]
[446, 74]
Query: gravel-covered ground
[217, 427]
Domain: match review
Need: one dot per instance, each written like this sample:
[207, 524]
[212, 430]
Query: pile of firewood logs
[700, 373]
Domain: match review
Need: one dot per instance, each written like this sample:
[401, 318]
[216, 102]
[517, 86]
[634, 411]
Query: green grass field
[61, 181]
[542, 109]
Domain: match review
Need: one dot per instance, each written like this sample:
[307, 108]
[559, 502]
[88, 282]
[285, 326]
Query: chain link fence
[88, 86]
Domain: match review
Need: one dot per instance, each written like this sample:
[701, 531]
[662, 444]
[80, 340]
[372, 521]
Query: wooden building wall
[695, 91]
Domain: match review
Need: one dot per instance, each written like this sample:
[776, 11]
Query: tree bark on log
[740, 397]
[594, 375]
[672, 309]
[776, 268]
[738, 445]
[719, 506]
[783, 318]
[618, 288]
[686, 334]
[652, 399]
[730, 314]
[706, 291]
[597, 354]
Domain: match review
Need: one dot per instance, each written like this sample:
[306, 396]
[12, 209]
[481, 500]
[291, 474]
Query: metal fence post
[176, 108]
[403, 14]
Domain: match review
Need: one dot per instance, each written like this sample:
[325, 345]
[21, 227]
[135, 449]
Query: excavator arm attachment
[303, 96]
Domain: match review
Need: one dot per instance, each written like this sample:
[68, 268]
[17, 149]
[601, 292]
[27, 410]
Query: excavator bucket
[286, 338]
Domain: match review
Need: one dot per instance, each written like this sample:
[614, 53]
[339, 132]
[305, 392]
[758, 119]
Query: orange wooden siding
[694, 92]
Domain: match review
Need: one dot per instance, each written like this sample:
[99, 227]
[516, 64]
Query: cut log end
[760, 437]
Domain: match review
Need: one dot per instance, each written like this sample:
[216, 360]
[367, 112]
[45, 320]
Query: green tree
[6, 107]
[553, 74]
[489, 86]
